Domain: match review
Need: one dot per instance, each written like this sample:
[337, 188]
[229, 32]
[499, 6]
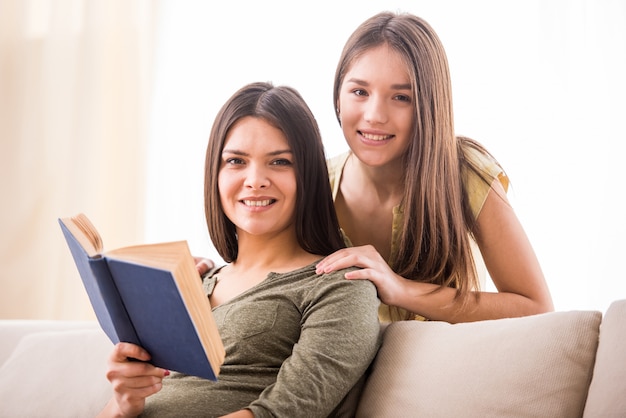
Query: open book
[150, 295]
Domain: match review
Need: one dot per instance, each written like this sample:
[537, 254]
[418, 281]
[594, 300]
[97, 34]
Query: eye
[282, 162]
[403, 98]
[234, 161]
[359, 92]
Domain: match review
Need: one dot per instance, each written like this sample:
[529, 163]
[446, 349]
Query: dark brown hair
[317, 228]
[434, 244]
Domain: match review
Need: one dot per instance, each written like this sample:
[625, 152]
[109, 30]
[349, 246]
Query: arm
[512, 265]
[509, 258]
[338, 340]
[132, 381]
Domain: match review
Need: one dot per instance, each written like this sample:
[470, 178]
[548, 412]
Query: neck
[386, 181]
[278, 254]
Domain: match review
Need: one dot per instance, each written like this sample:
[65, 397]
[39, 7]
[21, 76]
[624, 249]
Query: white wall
[540, 83]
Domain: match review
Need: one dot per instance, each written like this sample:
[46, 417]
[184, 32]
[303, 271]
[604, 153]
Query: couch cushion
[607, 393]
[534, 366]
[56, 374]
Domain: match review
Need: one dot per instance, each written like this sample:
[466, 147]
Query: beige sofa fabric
[607, 393]
[535, 366]
[538, 366]
[12, 331]
[56, 374]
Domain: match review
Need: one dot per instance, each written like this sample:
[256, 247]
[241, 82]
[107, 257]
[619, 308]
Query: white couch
[561, 364]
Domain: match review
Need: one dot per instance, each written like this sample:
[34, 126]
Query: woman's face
[257, 179]
[376, 107]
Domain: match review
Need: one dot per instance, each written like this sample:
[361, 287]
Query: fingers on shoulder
[204, 265]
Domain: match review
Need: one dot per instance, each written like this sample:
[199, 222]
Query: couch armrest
[12, 331]
[608, 386]
[56, 368]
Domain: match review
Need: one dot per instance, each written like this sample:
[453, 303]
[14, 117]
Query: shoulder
[331, 290]
[336, 285]
[335, 166]
[353, 302]
[337, 162]
[209, 279]
[476, 156]
[479, 171]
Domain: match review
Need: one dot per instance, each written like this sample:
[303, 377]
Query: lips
[375, 137]
[258, 203]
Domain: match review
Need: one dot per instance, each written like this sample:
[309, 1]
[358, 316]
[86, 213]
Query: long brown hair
[434, 244]
[317, 228]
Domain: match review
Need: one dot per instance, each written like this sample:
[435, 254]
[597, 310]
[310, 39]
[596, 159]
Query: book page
[200, 310]
[85, 233]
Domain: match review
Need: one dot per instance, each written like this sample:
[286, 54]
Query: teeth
[373, 137]
[257, 202]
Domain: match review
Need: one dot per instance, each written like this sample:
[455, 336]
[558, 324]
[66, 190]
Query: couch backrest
[533, 366]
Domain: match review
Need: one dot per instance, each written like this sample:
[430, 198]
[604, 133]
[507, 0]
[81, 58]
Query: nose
[376, 111]
[256, 177]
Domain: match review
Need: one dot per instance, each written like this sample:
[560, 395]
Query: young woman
[295, 341]
[411, 196]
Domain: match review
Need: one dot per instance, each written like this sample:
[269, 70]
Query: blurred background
[106, 107]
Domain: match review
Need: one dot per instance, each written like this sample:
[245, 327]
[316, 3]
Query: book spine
[103, 295]
[114, 312]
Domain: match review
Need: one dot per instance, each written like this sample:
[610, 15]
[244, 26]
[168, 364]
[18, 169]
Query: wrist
[410, 295]
[111, 410]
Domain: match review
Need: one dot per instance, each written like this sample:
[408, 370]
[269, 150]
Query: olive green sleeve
[339, 339]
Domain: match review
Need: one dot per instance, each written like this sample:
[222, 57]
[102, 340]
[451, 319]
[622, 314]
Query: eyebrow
[358, 81]
[245, 154]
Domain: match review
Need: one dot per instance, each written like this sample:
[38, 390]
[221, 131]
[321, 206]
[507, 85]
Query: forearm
[441, 304]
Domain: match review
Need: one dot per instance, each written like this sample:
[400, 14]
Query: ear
[338, 112]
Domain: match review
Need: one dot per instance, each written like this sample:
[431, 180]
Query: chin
[376, 158]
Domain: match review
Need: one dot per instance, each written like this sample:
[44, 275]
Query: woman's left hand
[373, 267]
[203, 265]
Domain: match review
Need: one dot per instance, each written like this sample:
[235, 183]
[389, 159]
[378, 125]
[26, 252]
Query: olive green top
[295, 345]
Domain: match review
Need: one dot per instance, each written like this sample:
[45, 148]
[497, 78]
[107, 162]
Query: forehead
[255, 134]
[380, 61]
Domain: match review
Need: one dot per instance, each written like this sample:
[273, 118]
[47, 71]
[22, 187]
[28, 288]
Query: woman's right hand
[132, 381]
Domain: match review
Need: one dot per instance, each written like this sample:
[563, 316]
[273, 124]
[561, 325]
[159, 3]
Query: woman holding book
[296, 342]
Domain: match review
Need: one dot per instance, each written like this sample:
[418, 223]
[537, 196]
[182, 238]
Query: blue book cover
[139, 296]
[102, 293]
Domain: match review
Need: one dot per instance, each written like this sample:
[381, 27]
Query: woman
[295, 341]
[411, 196]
